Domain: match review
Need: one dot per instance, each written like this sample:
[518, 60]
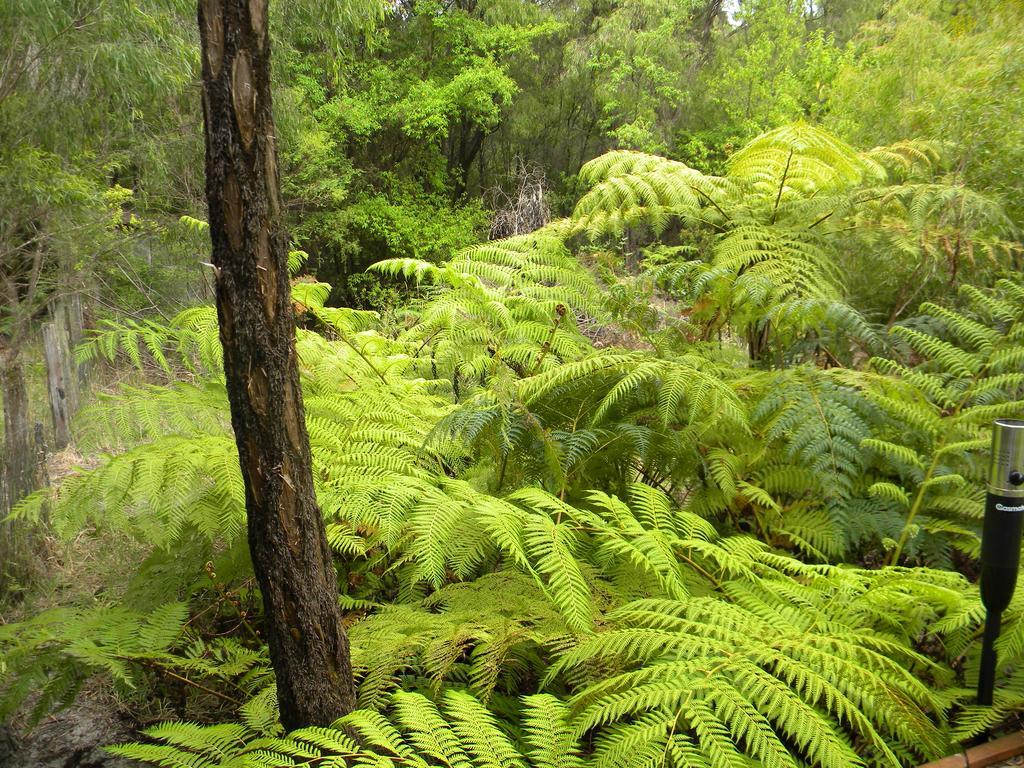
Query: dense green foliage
[683, 466]
[664, 505]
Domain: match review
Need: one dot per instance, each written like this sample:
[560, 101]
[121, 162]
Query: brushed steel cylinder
[1006, 471]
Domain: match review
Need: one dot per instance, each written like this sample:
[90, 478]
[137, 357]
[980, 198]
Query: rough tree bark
[308, 645]
[18, 466]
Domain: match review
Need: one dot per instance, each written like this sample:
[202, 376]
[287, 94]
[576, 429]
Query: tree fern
[630, 189]
[636, 538]
[704, 673]
[814, 463]
[941, 409]
[53, 653]
[799, 161]
[705, 681]
[189, 339]
[508, 304]
[769, 237]
[944, 229]
[456, 731]
[488, 634]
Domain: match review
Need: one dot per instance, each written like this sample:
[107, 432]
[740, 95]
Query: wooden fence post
[55, 353]
[66, 313]
[42, 452]
[76, 332]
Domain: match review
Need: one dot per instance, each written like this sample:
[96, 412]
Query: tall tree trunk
[290, 555]
[463, 147]
[18, 468]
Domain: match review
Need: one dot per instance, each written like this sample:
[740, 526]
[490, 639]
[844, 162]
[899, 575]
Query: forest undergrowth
[644, 486]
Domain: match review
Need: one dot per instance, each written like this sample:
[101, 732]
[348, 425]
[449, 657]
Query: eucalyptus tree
[291, 559]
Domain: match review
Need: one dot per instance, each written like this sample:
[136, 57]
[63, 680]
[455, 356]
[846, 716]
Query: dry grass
[88, 568]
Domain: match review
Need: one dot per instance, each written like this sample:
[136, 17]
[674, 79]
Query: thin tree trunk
[18, 468]
[758, 334]
[290, 555]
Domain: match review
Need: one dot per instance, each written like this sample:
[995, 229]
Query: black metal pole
[1000, 541]
[987, 675]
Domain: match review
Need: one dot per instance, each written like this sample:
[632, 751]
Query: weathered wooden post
[56, 378]
[74, 323]
[42, 453]
[66, 313]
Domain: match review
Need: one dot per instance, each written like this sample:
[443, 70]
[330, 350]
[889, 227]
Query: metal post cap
[1006, 473]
